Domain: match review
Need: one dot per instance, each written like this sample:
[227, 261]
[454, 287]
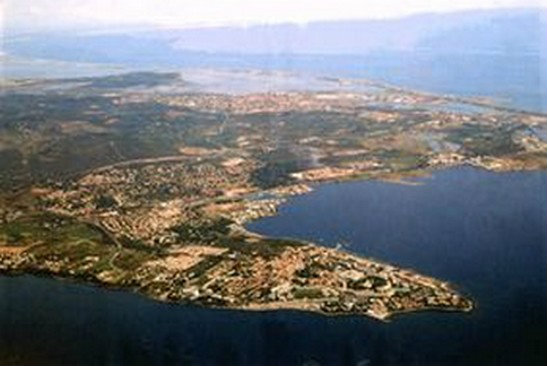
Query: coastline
[301, 306]
[93, 280]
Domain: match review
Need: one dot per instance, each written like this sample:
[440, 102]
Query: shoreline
[132, 288]
[252, 308]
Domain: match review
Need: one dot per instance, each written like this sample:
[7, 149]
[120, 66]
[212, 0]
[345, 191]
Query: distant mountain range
[522, 30]
[486, 31]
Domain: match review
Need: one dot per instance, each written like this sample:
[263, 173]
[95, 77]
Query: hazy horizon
[101, 15]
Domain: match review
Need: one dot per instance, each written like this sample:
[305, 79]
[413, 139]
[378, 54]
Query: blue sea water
[484, 232]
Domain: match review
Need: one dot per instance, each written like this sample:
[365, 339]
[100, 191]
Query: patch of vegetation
[139, 245]
[337, 160]
[72, 252]
[311, 270]
[401, 160]
[480, 140]
[105, 201]
[375, 282]
[132, 79]
[277, 167]
[208, 262]
[47, 228]
[266, 248]
[307, 293]
[206, 232]
[130, 260]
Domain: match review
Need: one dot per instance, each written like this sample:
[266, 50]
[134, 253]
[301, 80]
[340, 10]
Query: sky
[61, 14]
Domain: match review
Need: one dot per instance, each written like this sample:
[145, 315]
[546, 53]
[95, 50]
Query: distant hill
[512, 33]
[522, 29]
[515, 31]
